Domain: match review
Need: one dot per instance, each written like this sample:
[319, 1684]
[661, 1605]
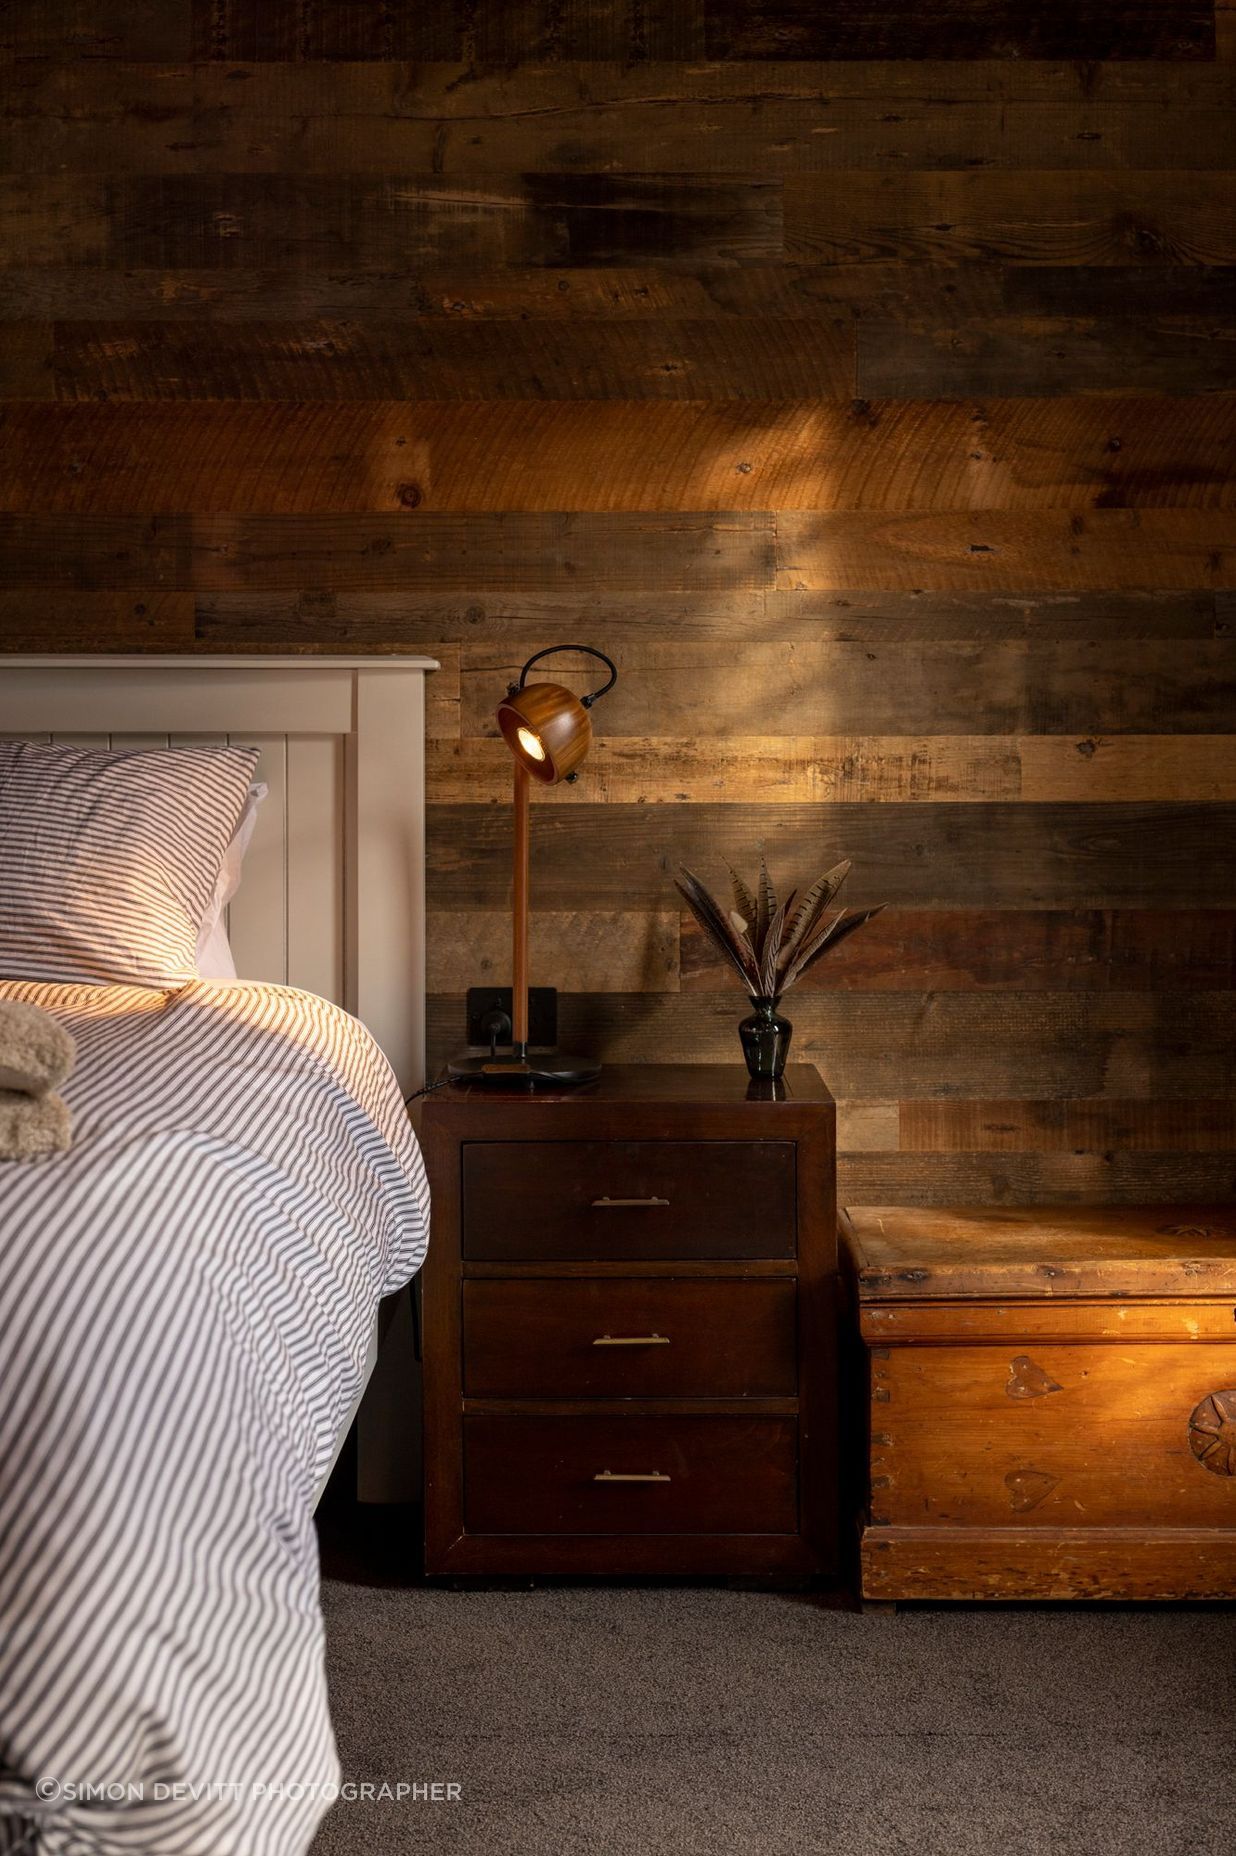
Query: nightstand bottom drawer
[636, 1475]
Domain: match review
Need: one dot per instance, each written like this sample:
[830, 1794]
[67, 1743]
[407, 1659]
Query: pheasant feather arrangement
[771, 944]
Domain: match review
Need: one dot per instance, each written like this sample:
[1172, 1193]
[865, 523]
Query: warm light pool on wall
[549, 731]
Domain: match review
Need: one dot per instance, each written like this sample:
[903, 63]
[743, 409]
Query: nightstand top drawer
[594, 1201]
[632, 1337]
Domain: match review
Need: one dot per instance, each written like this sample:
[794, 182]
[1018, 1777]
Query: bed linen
[185, 1303]
[111, 857]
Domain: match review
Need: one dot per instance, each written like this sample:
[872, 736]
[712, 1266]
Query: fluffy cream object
[31, 1127]
[36, 1052]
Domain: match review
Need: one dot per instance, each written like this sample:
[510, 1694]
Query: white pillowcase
[214, 950]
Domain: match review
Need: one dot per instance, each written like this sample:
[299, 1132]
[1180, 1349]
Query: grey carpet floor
[708, 1722]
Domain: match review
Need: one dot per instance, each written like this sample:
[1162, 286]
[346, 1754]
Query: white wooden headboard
[333, 897]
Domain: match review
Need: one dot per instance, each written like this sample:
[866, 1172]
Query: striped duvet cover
[185, 1303]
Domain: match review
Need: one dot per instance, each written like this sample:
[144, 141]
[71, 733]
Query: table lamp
[549, 731]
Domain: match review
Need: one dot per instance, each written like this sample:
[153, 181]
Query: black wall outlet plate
[542, 1015]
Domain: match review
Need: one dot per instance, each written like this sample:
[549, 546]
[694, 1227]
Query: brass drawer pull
[609, 1204]
[652, 1475]
[631, 1340]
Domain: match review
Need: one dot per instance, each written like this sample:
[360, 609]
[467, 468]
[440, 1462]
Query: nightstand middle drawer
[595, 1201]
[629, 1337]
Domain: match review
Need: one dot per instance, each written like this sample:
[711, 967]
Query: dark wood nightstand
[630, 1326]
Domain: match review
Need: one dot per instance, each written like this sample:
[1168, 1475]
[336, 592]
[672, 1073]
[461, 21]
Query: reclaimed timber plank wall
[862, 376]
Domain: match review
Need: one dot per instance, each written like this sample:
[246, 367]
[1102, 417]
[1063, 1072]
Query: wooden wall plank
[287, 456]
[404, 291]
[901, 685]
[1032, 217]
[1225, 615]
[976, 949]
[615, 90]
[107, 29]
[94, 553]
[1045, 1045]
[778, 359]
[322, 618]
[751, 136]
[1018, 1126]
[1168, 548]
[435, 29]
[941, 856]
[516, 622]
[865, 454]
[1225, 31]
[442, 695]
[1093, 29]
[903, 950]
[26, 362]
[1133, 768]
[1035, 1179]
[52, 219]
[391, 117]
[282, 458]
[1046, 356]
[864, 615]
[883, 290]
[587, 30]
[1102, 547]
[1119, 291]
[608, 29]
[577, 950]
[867, 1127]
[602, 29]
[468, 87]
[90, 551]
[235, 221]
[768, 770]
[77, 620]
[326, 29]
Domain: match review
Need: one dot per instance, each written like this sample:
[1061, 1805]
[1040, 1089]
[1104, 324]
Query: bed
[188, 1297]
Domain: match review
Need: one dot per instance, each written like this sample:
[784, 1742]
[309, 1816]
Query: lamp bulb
[530, 743]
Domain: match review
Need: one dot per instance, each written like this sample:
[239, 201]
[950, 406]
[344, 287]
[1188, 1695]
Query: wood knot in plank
[1028, 1487]
[1026, 1380]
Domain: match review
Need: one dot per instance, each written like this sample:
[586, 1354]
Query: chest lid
[974, 1251]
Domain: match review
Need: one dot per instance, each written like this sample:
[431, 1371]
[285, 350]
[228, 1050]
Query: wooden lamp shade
[547, 717]
[549, 731]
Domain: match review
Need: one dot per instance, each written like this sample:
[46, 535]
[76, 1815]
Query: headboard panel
[333, 897]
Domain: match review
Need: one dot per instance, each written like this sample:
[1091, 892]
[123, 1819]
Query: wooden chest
[1052, 1401]
[630, 1326]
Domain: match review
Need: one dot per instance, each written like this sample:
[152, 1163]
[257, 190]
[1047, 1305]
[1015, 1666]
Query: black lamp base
[546, 1069]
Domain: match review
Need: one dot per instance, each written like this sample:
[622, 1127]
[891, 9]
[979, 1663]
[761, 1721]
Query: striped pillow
[108, 860]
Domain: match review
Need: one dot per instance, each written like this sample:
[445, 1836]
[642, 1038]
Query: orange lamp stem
[519, 991]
